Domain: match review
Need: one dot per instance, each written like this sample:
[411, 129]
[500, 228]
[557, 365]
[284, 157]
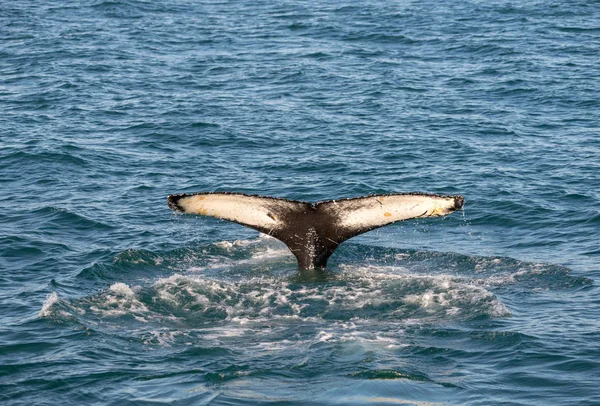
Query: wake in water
[252, 285]
[234, 315]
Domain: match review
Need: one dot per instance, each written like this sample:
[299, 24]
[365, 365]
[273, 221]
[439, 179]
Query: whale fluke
[312, 231]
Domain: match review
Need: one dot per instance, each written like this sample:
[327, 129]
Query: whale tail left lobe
[313, 231]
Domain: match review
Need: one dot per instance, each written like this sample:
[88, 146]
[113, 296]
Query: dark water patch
[593, 252]
[578, 30]
[388, 374]
[499, 339]
[196, 352]
[201, 124]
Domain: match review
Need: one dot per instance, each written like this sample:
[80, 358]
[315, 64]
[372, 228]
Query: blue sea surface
[107, 107]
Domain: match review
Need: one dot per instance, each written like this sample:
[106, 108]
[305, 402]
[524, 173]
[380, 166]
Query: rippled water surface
[107, 107]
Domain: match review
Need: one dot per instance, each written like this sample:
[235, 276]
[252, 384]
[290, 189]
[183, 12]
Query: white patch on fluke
[248, 210]
[376, 211]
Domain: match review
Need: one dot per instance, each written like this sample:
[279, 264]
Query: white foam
[121, 289]
[120, 300]
[367, 304]
[444, 294]
[262, 238]
[505, 279]
[264, 248]
[224, 244]
[256, 299]
[50, 300]
[163, 337]
[271, 253]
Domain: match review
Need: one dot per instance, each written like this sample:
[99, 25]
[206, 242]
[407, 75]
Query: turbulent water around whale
[108, 107]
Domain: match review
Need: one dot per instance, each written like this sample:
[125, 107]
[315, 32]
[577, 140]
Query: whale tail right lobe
[312, 232]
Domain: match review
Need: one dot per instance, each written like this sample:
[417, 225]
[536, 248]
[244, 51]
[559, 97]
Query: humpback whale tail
[312, 231]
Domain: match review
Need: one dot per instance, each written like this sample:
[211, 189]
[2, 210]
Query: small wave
[578, 30]
[202, 124]
[380, 38]
[63, 217]
[140, 261]
[120, 300]
[135, 257]
[389, 374]
[46, 157]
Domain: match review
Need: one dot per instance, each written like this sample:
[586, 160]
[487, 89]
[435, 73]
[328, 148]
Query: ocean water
[107, 107]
